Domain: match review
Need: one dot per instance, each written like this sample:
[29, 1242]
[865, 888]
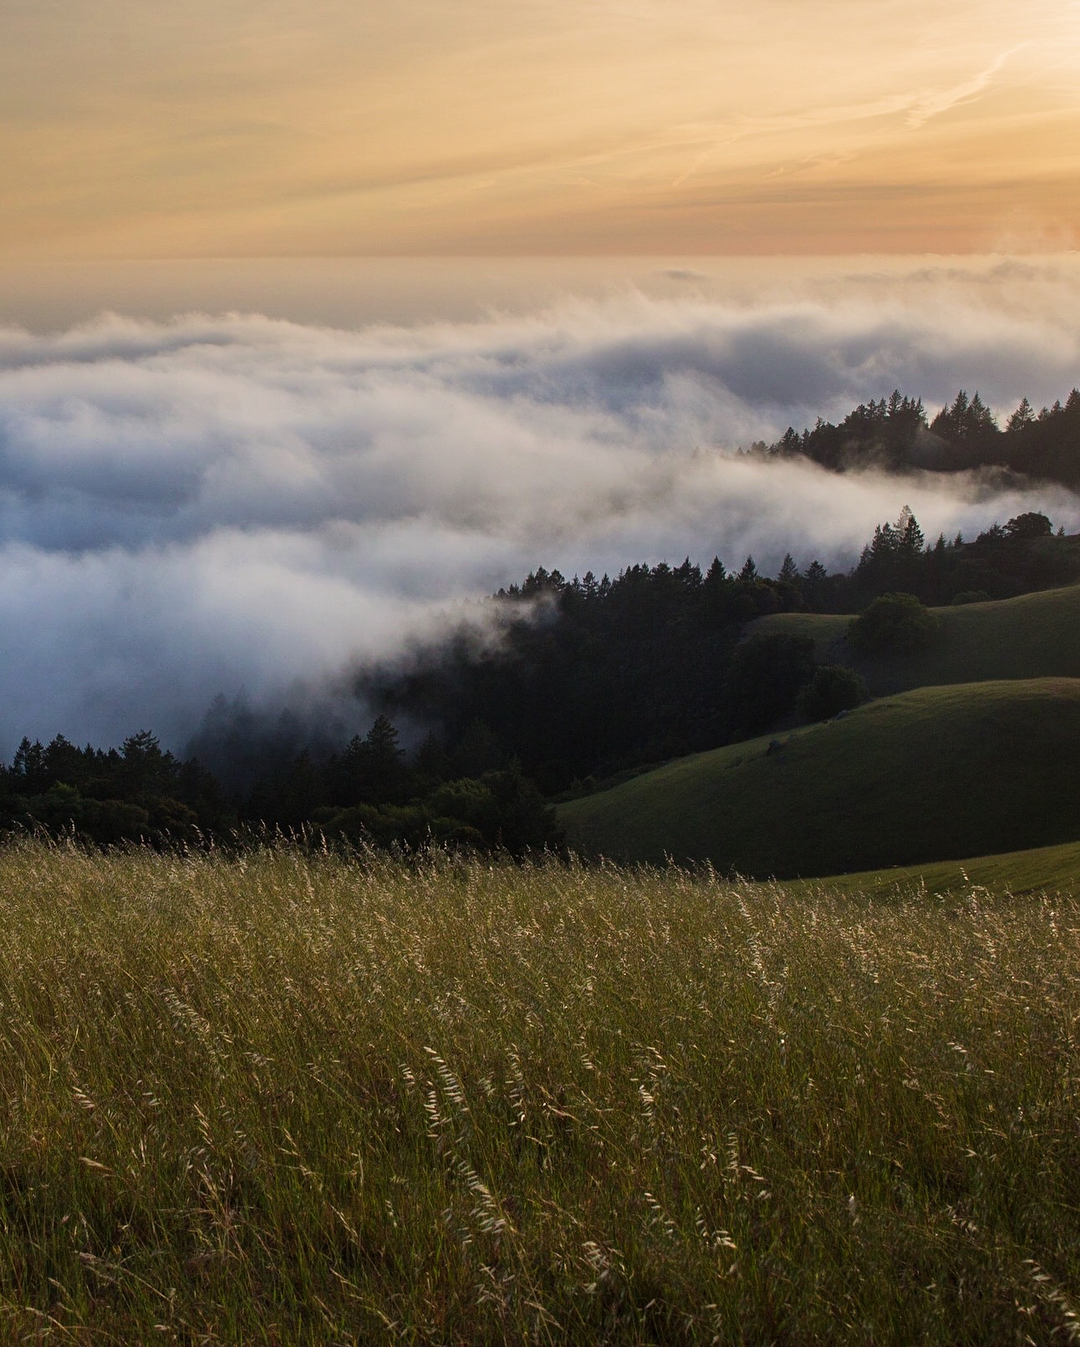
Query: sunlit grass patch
[287, 1098]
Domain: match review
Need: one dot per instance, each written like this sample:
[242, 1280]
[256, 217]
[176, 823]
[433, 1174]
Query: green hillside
[1036, 870]
[931, 774]
[1031, 636]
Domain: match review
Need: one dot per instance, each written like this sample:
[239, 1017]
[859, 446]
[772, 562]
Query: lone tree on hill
[894, 624]
[833, 688]
[1029, 525]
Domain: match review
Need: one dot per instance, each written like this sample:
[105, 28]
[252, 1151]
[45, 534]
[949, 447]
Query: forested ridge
[589, 677]
[894, 433]
[602, 675]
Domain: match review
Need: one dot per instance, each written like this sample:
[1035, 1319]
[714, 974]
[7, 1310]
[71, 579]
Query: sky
[321, 321]
[269, 128]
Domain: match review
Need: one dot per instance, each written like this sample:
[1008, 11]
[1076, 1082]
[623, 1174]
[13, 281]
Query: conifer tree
[1023, 416]
[911, 539]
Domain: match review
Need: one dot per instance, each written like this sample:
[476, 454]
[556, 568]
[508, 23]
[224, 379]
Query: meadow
[928, 775]
[288, 1098]
[1034, 635]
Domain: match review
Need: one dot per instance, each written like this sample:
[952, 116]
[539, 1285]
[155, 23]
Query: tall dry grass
[285, 1098]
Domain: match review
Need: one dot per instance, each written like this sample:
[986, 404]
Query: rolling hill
[1032, 636]
[930, 774]
[1036, 870]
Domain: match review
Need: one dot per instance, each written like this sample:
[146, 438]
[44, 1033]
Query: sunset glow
[545, 127]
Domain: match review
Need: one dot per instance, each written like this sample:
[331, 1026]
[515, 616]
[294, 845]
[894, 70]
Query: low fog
[253, 507]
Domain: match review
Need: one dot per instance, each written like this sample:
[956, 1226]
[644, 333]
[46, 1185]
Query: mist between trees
[590, 677]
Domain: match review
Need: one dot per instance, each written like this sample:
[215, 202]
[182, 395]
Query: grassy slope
[931, 774]
[1053, 869]
[1032, 636]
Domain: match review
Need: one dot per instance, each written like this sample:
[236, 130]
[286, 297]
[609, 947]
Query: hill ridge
[925, 774]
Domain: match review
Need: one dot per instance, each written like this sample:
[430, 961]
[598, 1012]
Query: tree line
[590, 677]
[602, 675]
[368, 791]
[894, 433]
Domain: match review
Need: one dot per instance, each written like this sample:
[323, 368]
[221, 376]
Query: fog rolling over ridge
[227, 504]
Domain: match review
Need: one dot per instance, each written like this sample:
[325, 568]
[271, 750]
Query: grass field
[1040, 869]
[1032, 636]
[284, 1099]
[932, 774]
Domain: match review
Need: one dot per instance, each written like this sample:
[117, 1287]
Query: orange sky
[203, 128]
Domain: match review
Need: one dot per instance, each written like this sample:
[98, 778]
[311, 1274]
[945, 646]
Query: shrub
[1030, 525]
[969, 596]
[766, 675]
[832, 689]
[894, 624]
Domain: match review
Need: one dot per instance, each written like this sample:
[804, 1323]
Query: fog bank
[238, 503]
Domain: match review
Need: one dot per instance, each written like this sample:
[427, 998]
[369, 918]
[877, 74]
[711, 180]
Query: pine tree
[1023, 416]
[883, 546]
[912, 542]
[371, 770]
[28, 768]
[813, 582]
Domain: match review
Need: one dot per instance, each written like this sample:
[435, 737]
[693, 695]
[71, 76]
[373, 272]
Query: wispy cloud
[914, 108]
[934, 102]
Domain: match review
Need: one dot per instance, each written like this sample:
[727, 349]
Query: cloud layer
[217, 504]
